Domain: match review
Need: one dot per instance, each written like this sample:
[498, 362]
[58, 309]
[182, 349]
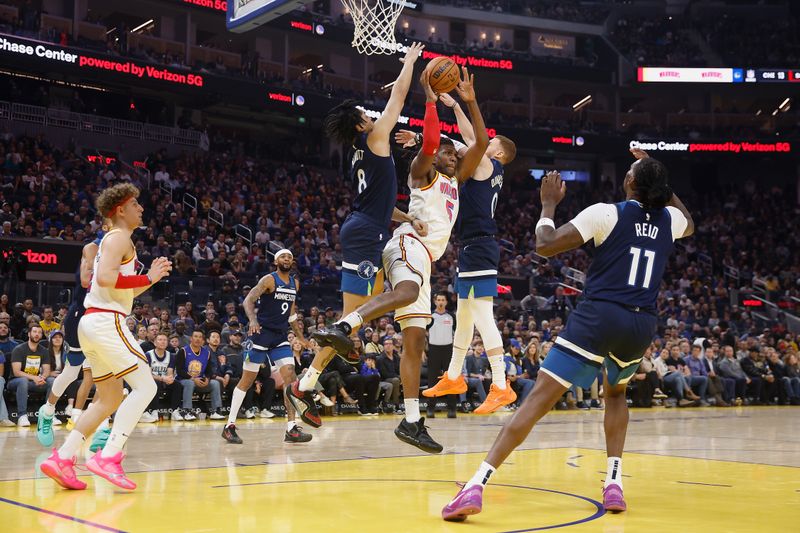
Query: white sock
[614, 472]
[76, 414]
[498, 371]
[412, 410]
[309, 380]
[481, 476]
[49, 409]
[354, 320]
[72, 445]
[130, 411]
[290, 425]
[103, 425]
[456, 362]
[68, 375]
[237, 398]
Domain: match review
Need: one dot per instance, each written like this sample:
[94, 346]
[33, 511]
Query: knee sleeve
[141, 381]
[64, 379]
[465, 326]
[483, 316]
[251, 366]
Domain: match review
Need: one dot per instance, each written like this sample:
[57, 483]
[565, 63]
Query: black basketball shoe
[338, 337]
[296, 434]
[416, 434]
[229, 434]
[303, 402]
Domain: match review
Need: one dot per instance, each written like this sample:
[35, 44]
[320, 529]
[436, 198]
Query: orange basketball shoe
[497, 398]
[446, 386]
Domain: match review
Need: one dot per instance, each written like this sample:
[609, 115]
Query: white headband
[283, 251]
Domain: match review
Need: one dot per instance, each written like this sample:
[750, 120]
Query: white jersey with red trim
[120, 300]
[436, 204]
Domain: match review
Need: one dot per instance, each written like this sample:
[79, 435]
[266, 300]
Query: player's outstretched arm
[549, 240]
[464, 125]
[422, 165]
[159, 269]
[472, 157]
[378, 139]
[265, 285]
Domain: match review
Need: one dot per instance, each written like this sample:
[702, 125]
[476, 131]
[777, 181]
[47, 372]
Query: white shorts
[405, 258]
[109, 346]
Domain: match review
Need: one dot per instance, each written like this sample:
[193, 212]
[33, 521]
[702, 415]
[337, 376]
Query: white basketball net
[375, 21]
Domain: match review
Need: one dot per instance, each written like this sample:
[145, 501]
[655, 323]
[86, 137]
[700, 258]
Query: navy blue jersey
[628, 266]
[478, 203]
[275, 308]
[375, 179]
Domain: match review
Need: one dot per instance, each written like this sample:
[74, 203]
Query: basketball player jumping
[434, 179]
[612, 326]
[478, 258]
[75, 358]
[110, 347]
[270, 308]
[366, 230]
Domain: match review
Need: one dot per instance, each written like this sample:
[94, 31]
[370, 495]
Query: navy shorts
[363, 241]
[600, 334]
[477, 268]
[70, 325]
[269, 345]
[75, 356]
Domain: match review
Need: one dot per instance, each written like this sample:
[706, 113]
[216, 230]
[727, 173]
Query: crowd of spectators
[656, 42]
[587, 12]
[47, 192]
[748, 42]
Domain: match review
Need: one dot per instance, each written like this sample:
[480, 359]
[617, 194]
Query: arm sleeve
[180, 364]
[596, 222]
[679, 222]
[430, 130]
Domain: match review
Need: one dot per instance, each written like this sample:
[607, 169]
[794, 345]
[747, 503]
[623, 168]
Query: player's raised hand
[466, 87]
[159, 269]
[424, 80]
[413, 53]
[406, 138]
[638, 153]
[553, 189]
[448, 100]
[421, 227]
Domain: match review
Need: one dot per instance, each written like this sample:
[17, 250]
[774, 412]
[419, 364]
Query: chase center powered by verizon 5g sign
[11, 47]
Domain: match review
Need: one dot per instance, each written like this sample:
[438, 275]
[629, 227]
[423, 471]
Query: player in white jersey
[111, 348]
[434, 178]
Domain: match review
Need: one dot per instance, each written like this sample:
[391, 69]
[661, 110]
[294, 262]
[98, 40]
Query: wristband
[417, 139]
[132, 282]
[544, 221]
[293, 318]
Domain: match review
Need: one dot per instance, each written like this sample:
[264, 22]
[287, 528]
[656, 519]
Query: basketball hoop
[375, 21]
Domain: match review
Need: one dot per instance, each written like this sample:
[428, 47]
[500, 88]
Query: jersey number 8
[362, 180]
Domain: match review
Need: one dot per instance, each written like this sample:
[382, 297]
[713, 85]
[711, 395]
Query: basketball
[444, 74]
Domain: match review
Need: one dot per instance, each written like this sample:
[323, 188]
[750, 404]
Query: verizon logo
[42, 259]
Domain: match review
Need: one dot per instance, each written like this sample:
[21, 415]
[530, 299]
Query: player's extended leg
[615, 424]
[249, 373]
[469, 500]
[412, 429]
[294, 433]
[308, 411]
[44, 424]
[452, 382]
[337, 337]
[500, 393]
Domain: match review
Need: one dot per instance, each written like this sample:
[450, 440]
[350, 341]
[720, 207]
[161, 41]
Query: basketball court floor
[685, 470]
